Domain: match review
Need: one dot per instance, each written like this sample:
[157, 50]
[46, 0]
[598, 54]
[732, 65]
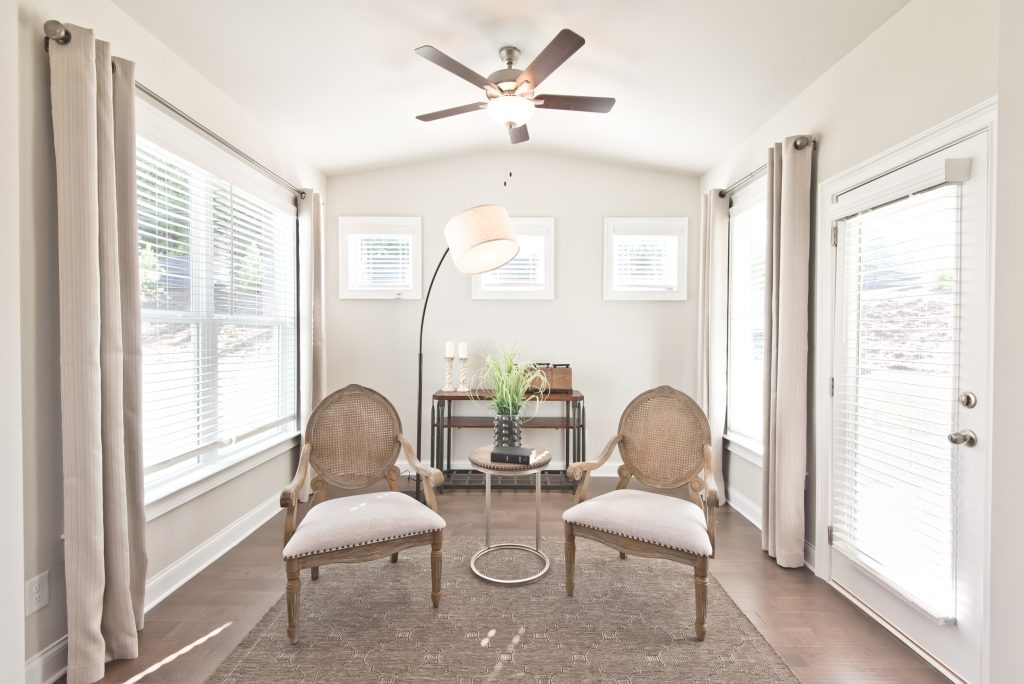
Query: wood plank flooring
[823, 637]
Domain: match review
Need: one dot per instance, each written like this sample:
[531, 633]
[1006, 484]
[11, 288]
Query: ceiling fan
[511, 92]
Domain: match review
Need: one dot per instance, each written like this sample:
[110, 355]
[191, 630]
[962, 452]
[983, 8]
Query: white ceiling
[339, 80]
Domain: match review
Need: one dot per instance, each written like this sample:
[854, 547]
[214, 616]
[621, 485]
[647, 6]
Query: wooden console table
[443, 420]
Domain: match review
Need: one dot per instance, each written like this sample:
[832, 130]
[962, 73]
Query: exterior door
[910, 400]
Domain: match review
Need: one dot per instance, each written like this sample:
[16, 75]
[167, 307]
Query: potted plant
[510, 384]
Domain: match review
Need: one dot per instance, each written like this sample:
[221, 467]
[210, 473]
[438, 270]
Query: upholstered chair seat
[653, 518]
[360, 520]
[665, 443]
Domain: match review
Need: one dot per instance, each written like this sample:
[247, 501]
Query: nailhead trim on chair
[365, 543]
[646, 541]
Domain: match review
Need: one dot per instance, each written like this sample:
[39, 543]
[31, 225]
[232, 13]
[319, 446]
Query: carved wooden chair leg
[314, 572]
[570, 559]
[394, 557]
[700, 585]
[622, 555]
[435, 568]
[293, 601]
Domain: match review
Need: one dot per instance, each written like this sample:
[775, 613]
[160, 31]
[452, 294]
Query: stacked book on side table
[516, 455]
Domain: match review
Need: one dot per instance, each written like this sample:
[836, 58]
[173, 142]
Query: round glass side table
[481, 460]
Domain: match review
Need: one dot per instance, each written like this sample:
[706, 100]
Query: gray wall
[931, 61]
[36, 328]
[617, 348]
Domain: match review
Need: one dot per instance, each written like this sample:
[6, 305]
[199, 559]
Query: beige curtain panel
[712, 337]
[787, 281]
[100, 352]
[311, 220]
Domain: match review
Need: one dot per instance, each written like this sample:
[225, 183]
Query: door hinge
[830, 535]
[831, 387]
[835, 234]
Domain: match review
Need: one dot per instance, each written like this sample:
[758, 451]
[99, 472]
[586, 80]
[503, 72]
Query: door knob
[963, 438]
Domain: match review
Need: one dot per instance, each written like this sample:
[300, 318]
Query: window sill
[176, 492]
[746, 448]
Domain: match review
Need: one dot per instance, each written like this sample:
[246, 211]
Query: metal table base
[535, 549]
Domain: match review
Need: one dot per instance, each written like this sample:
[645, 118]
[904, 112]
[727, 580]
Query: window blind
[218, 281]
[894, 485]
[748, 233]
[525, 273]
[380, 261]
[645, 262]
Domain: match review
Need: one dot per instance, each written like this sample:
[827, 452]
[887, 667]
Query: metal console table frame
[480, 458]
[443, 421]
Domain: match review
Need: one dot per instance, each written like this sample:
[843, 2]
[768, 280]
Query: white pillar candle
[449, 350]
[463, 350]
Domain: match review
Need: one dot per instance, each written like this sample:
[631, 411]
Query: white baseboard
[744, 506]
[50, 664]
[809, 555]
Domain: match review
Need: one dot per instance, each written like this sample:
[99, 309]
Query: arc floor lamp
[480, 239]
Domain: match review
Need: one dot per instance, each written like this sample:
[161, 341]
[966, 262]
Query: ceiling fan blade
[550, 58]
[433, 116]
[432, 54]
[576, 103]
[518, 134]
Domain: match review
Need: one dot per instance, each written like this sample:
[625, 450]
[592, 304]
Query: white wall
[12, 625]
[1006, 605]
[932, 60]
[617, 349]
[177, 533]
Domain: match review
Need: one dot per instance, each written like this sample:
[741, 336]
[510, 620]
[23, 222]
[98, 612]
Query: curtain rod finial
[56, 31]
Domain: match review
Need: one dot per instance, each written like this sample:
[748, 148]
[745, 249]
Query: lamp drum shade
[481, 239]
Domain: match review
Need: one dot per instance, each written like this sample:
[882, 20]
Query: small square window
[379, 257]
[645, 258]
[531, 275]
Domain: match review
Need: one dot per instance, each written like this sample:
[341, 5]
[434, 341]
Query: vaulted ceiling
[340, 83]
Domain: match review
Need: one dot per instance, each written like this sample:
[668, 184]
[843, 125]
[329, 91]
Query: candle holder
[449, 362]
[464, 374]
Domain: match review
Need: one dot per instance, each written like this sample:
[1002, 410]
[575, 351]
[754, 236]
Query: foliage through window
[218, 286]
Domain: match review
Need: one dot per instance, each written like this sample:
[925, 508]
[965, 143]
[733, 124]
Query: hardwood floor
[820, 635]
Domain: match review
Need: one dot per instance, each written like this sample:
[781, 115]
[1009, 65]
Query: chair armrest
[290, 495]
[432, 477]
[581, 471]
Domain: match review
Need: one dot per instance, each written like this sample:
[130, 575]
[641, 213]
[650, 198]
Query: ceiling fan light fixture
[510, 110]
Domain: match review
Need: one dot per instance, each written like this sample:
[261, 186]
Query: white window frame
[180, 481]
[743, 445]
[381, 225]
[671, 225]
[535, 226]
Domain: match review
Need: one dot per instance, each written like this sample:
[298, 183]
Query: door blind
[895, 492]
[218, 281]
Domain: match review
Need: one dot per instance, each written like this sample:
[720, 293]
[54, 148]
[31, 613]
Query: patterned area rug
[630, 621]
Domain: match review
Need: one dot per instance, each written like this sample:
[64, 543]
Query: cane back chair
[665, 443]
[352, 441]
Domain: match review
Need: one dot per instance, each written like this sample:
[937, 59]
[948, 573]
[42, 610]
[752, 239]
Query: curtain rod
[800, 143]
[59, 33]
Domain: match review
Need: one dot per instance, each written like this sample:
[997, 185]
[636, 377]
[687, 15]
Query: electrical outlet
[37, 592]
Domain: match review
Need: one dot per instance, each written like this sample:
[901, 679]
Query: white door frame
[979, 118]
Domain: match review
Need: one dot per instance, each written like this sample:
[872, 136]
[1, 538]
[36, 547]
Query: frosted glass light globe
[510, 110]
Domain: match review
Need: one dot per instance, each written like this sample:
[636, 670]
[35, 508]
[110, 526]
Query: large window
[218, 286]
[748, 224]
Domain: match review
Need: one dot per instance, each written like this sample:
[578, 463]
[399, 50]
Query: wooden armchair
[665, 443]
[352, 441]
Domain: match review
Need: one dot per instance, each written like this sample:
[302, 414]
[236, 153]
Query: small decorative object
[559, 376]
[463, 367]
[513, 384]
[449, 362]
